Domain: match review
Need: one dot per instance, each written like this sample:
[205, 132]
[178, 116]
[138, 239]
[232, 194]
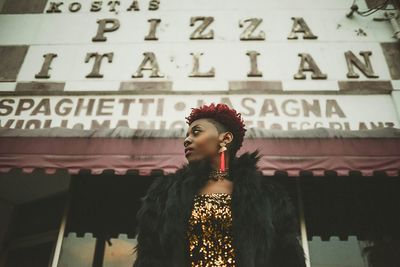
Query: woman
[217, 210]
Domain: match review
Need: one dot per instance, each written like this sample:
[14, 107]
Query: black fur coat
[265, 227]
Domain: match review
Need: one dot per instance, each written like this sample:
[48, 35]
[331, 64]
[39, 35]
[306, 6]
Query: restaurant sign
[167, 112]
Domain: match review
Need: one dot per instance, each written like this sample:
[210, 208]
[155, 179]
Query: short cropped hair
[223, 114]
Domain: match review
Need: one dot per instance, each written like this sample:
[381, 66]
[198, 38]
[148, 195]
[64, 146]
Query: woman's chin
[191, 157]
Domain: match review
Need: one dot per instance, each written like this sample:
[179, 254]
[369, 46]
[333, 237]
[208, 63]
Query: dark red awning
[292, 153]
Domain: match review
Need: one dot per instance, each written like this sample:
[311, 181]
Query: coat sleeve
[288, 249]
[148, 249]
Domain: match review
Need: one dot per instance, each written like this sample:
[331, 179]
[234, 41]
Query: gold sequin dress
[210, 231]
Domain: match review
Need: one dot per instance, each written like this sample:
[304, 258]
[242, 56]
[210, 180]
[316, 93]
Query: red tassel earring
[222, 159]
[222, 172]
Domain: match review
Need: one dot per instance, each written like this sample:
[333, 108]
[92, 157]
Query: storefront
[345, 188]
[93, 97]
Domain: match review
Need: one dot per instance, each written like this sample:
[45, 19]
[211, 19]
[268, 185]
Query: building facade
[93, 96]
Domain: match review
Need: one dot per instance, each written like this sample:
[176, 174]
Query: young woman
[218, 209]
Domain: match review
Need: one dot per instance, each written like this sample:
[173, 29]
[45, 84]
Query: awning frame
[165, 153]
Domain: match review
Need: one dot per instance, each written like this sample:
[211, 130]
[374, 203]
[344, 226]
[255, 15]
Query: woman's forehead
[206, 122]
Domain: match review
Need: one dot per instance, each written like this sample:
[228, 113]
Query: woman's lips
[189, 151]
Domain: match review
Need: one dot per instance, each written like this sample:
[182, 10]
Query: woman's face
[202, 140]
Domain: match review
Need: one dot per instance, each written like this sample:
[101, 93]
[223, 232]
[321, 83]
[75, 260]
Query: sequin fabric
[210, 231]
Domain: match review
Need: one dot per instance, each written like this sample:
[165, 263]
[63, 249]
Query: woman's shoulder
[274, 190]
[160, 185]
[270, 184]
[153, 201]
[282, 206]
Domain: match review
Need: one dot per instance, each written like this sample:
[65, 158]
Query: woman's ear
[226, 137]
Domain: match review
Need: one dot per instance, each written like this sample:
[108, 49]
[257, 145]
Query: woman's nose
[186, 142]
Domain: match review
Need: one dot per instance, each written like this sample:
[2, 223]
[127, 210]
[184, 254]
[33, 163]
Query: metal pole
[303, 229]
[57, 250]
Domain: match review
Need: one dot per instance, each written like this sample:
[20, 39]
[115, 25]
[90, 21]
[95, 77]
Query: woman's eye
[196, 131]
